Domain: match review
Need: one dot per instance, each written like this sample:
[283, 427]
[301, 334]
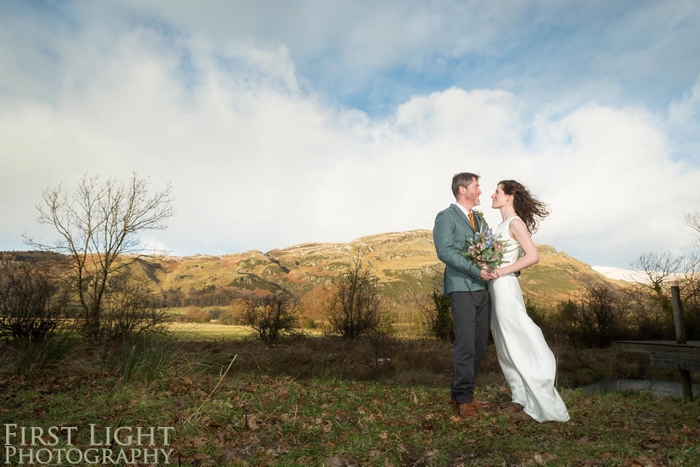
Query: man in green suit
[465, 284]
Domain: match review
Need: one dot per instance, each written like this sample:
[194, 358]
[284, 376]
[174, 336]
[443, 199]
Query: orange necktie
[471, 219]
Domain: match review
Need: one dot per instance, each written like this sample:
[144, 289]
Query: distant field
[210, 330]
[214, 330]
[183, 309]
[220, 331]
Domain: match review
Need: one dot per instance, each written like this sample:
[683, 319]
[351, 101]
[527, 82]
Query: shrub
[356, 307]
[229, 318]
[547, 319]
[271, 316]
[236, 311]
[128, 309]
[195, 314]
[215, 313]
[32, 305]
[36, 357]
[309, 323]
[596, 320]
[435, 314]
[692, 323]
[442, 326]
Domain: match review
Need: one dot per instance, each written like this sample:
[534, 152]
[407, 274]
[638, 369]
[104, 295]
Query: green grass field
[324, 402]
[251, 419]
[215, 330]
[209, 331]
[181, 310]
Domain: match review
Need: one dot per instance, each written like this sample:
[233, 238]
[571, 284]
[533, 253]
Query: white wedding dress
[527, 362]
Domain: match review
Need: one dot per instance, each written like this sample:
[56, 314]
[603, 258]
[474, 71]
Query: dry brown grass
[411, 361]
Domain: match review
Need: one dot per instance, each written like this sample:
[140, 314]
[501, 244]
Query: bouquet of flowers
[485, 250]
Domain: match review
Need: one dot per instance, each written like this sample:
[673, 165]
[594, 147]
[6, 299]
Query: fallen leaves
[281, 394]
[687, 431]
[543, 459]
[251, 420]
[651, 444]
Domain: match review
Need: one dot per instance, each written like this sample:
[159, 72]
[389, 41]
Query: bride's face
[499, 198]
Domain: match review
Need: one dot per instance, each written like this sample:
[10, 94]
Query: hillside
[401, 261]
[404, 262]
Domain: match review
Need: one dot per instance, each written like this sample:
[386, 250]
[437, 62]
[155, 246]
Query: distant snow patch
[618, 274]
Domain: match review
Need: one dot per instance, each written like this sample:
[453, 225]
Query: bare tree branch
[661, 268]
[692, 220]
[98, 226]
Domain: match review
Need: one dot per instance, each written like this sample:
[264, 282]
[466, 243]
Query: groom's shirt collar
[464, 210]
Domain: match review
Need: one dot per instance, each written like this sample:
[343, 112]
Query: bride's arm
[518, 231]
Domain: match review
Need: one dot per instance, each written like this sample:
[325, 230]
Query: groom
[465, 283]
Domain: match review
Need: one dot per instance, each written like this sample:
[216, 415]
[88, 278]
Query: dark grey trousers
[471, 314]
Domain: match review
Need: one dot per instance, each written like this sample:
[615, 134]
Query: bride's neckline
[508, 218]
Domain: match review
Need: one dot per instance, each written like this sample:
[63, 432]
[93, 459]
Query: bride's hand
[486, 275]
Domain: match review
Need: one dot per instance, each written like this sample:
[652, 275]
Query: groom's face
[472, 192]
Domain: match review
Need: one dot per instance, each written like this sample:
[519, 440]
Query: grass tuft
[146, 358]
[30, 358]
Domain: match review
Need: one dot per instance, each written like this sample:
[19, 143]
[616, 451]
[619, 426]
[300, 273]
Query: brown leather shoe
[466, 410]
[475, 403]
[514, 407]
[521, 416]
[480, 404]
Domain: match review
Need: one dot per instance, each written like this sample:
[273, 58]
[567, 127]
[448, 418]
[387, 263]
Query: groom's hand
[486, 275]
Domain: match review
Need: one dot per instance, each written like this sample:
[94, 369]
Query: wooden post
[680, 339]
[678, 314]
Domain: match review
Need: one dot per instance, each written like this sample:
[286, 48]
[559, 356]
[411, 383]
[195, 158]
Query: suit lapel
[464, 218]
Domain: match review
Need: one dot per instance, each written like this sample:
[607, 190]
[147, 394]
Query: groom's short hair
[462, 179]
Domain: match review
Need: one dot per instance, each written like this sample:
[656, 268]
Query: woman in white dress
[527, 362]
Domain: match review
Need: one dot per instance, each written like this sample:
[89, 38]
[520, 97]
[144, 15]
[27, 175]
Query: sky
[285, 122]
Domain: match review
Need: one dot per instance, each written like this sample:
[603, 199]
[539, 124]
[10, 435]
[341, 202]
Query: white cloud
[364, 32]
[613, 185]
[258, 160]
[683, 110]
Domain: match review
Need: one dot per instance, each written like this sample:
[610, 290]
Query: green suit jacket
[450, 234]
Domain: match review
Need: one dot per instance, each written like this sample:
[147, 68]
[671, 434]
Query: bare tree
[98, 225]
[690, 286]
[660, 267]
[690, 283]
[356, 308]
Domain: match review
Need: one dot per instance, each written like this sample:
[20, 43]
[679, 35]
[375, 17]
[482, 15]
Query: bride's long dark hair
[527, 207]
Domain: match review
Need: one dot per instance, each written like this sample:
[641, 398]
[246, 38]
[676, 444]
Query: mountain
[619, 274]
[402, 261]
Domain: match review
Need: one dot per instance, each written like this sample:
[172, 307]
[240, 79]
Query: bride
[527, 362]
